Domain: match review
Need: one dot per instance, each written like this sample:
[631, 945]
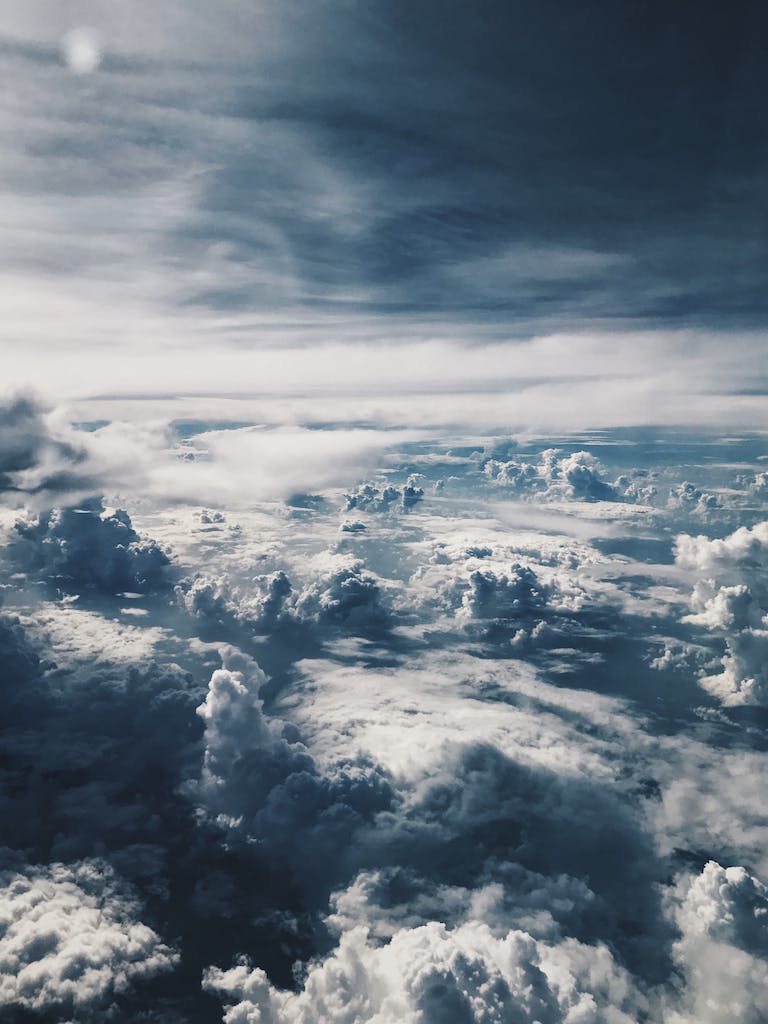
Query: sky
[192, 194]
[383, 513]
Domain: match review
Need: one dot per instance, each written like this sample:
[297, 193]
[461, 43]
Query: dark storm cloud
[513, 597]
[91, 771]
[20, 661]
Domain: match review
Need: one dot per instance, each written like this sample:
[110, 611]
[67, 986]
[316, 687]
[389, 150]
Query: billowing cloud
[345, 594]
[508, 589]
[337, 592]
[374, 498]
[236, 733]
[759, 484]
[436, 975]
[577, 476]
[505, 597]
[744, 676]
[258, 607]
[724, 608]
[88, 547]
[689, 498]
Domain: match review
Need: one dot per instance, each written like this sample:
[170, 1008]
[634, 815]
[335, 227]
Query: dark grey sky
[524, 159]
[521, 162]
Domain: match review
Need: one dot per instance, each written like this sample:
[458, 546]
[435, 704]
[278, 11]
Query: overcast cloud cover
[383, 513]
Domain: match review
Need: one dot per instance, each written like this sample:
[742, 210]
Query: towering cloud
[259, 784]
[507, 597]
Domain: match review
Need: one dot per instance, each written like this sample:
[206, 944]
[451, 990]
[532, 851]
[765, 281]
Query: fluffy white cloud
[435, 975]
[759, 485]
[726, 607]
[337, 592]
[523, 477]
[493, 580]
[475, 971]
[727, 905]
[70, 937]
[742, 549]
